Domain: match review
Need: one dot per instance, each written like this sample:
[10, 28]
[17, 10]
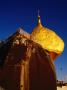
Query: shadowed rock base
[27, 67]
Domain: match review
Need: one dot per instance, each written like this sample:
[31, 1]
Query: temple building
[26, 60]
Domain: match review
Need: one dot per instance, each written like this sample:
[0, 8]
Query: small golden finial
[39, 21]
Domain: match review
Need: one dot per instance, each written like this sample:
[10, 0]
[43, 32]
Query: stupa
[48, 39]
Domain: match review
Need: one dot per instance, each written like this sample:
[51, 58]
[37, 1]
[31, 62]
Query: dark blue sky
[23, 13]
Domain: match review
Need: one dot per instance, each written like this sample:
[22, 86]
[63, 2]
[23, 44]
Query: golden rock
[47, 38]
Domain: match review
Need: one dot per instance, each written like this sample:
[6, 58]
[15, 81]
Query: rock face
[25, 65]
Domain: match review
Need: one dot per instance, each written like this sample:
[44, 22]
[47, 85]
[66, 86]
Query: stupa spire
[39, 20]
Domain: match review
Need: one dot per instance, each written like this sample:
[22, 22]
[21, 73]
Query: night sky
[23, 13]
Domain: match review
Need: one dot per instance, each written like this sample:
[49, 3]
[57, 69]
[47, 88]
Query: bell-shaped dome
[47, 38]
